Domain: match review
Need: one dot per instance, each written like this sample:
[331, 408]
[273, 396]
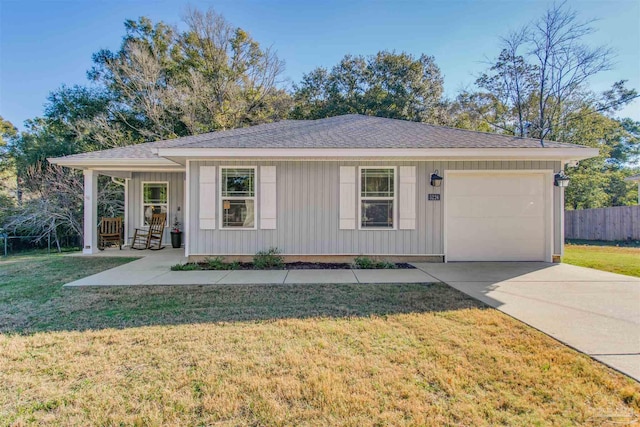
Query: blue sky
[44, 44]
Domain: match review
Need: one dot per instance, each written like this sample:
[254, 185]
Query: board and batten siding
[308, 217]
[176, 199]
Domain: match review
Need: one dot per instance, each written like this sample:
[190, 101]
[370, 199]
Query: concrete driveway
[593, 311]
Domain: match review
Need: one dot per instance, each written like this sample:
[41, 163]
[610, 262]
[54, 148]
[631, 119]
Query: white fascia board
[115, 164]
[578, 153]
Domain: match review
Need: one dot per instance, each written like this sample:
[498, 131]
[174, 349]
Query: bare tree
[53, 206]
[564, 64]
[145, 89]
[540, 78]
[231, 81]
[510, 83]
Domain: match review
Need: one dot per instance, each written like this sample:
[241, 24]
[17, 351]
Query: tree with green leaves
[388, 84]
[7, 170]
[161, 83]
[165, 83]
[599, 181]
[7, 133]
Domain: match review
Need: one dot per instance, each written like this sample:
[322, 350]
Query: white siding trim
[187, 207]
[348, 197]
[207, 198]
[126, 211]
[572, 153]
[90, 245]
[407, 201]
[561, 237]
[268, 201]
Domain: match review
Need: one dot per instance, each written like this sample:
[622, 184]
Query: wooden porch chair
[150, 238]
[110, 231]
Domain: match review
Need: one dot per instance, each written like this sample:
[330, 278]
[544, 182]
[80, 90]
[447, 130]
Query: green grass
[621, 260]
[409, 354]
[617, 243]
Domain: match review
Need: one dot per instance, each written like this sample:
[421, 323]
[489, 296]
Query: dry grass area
[621, 260]
[356, 355]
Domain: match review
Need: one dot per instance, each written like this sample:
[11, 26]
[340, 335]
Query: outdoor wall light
[560, 180]
[436, 180]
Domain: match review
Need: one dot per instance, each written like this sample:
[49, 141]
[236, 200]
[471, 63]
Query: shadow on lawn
[124, 307]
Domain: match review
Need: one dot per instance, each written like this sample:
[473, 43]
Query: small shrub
[366, 263]
[218, 263]
[270, 258]
[363, 262]
[386, 265]
[185, 267]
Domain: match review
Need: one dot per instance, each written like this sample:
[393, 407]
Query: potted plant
[176, 234]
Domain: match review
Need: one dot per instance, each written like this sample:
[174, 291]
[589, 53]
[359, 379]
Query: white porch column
[126, 211]
[90, 212]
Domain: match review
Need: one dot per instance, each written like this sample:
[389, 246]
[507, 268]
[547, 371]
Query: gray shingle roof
[347, 131]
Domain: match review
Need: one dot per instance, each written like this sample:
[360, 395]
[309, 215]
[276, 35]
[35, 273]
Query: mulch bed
[305, 266]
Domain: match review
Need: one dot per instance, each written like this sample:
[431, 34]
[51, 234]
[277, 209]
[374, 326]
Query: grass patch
[185, 267]
[218, 263]
[620, 243]
[621, 260]
[413, 354]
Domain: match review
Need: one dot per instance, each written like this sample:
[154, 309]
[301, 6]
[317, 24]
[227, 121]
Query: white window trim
[142, 203]
[395, 198]
[255, 197]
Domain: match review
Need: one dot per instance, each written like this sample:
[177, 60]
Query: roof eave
[115, 163]
[563, 154]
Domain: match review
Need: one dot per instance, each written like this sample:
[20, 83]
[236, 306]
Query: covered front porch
[146, 191]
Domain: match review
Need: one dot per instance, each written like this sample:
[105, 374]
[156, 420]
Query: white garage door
[493, 216]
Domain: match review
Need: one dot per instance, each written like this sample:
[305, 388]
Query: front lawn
[621, 260]
[414, 354]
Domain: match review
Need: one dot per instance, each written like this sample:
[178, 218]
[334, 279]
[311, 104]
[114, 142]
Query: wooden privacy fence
[615, 223]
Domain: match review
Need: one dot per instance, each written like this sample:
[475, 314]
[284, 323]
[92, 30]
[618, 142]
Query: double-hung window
[155, 200]
[377, 197]
[238, 197]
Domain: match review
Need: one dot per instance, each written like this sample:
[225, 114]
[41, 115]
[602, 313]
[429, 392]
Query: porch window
[155, 200]
[377, 197]
[238, 196]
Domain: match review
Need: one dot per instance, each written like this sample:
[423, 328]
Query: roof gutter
[565, 154]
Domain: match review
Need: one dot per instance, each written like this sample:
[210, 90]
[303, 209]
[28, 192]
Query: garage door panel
[496, 217]
[496, 185]
[502, 229]
[517, 250]
[497, 206]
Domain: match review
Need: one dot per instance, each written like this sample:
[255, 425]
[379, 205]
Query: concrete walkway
[155, 269]
[596, 312]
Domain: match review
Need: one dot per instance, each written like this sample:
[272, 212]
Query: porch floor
[154, 268]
